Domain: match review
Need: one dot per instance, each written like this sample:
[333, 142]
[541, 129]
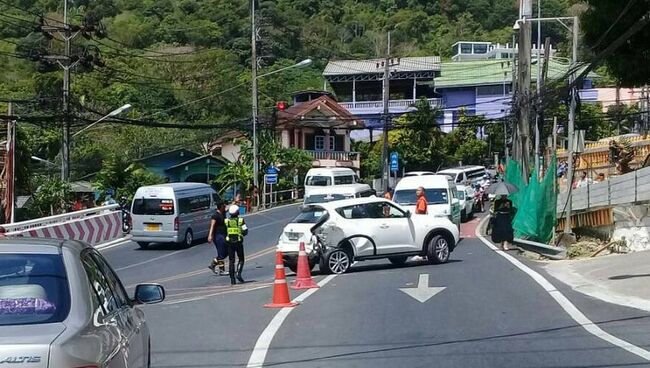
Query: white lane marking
[149, 260]
[264, 341]
[564, 302]
[423, 291]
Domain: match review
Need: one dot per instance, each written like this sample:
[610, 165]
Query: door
[395, 233]
[130, 321]
[364, 236]
[455, 206]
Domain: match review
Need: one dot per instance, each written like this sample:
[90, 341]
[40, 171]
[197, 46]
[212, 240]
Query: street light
[301, 64]
[44, 161]
[115, 112]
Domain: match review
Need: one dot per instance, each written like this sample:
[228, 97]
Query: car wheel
[189, 239]
[398, 261]
[143, 245]
[338, 261]
[293, 267]
[438, 250]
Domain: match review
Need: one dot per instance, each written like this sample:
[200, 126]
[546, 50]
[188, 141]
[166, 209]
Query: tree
[123, 177]
[462, 143]
[53, 196]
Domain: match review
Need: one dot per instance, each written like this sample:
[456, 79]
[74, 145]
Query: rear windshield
[153, 206]
[433, 196]
[321, 198]
[309, 215]
[33, 289]
[344, 179]
[319, 181]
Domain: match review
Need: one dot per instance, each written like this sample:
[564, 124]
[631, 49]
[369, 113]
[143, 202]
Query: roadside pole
[10, 197]
[523, 70]
[385, 98]
[571, 132]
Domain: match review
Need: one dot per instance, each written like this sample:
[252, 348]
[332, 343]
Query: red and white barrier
[93, 227]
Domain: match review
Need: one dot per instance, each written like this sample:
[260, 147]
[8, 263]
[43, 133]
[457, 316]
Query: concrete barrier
[93, 226]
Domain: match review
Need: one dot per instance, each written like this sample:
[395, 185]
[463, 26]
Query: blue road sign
[272, 170]
[394, 161]
[271, 178]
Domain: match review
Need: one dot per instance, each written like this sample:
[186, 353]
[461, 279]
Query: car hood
[28, 345]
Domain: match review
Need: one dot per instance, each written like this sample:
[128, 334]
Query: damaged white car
[336, 234]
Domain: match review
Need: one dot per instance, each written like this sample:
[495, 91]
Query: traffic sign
[271, 178]
[394, 161]
[272, 170]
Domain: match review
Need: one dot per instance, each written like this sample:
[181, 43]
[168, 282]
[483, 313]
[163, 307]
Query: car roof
[339, 189]
[39, 245]
[329, 170]
[455, 170]
[427, 181]
[348, 202]
[420, 173]
[179, 186]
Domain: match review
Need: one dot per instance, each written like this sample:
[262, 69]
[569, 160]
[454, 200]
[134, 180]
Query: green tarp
[535, 203]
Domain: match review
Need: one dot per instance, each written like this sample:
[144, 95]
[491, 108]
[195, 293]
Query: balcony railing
[334, 155]
[404, 104]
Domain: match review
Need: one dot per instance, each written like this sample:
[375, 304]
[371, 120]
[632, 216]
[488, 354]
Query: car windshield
[407, 197]
[321, 198]
[449, 175]
[33, 289]
[153, 206]
[309, 215]
[319, 181]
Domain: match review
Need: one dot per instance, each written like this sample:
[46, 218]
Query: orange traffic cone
[303, 278]
[281, 297]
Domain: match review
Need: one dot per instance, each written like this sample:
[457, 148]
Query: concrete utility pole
[538, 116]
[254, 93]
[10, 168]
[571, 132]
[386, 98]
[65, 152]
[523, 84]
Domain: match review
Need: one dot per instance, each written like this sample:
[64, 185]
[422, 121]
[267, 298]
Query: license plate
[152, 227]
[294, 236]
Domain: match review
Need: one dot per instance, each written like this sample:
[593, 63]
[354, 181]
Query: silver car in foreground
[61, 305]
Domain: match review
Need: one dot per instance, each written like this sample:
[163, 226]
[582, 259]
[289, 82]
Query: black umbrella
[502, 188]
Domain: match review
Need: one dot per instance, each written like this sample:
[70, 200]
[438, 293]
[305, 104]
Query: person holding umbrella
[502, 231]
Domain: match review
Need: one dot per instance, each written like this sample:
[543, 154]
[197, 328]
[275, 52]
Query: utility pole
[523, 70]
[10, 168]
[571, 132]
[65, 153]
[386, 116]
[538, 116]
[254, 93]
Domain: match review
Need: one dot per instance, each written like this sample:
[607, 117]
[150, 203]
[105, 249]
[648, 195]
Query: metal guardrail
[272, 199]
[546, 250]
[433, 102]
[617, 190]
[334, 155]
[57, 219]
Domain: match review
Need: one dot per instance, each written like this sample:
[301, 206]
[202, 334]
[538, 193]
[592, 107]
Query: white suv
[336, 234]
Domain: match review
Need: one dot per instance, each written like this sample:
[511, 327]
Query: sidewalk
[619, 279]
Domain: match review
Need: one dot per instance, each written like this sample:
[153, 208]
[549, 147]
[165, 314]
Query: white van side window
[194, 203]
[344, 179]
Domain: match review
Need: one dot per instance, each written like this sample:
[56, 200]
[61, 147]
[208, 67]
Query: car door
[455, 206]
[394, 231]
[359, 229]
[131, 319]
[106, 319]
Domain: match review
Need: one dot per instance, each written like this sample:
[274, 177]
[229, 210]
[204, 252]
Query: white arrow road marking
[423, 292]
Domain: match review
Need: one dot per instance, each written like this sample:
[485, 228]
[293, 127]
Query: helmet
[233, 210]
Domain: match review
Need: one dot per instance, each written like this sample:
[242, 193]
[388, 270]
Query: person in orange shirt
[421, 205]
[388, 194]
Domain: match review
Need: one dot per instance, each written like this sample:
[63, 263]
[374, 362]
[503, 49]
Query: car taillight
[176, 224]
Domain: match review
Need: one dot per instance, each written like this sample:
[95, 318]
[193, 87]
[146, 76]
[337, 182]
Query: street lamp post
[115, 112]
[255, 77]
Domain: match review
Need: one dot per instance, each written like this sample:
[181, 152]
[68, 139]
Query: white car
[336, 234]
[466, 198]
[418, 173]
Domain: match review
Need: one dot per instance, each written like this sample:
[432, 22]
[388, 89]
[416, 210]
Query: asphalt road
[489, 314]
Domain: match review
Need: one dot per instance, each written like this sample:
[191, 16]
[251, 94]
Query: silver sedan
[61, 305]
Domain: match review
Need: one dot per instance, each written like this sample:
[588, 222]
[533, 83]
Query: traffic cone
[281, 297]
[303, 278]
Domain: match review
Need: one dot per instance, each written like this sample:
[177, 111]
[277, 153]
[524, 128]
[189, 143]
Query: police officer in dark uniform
[235, 231]
[217, 235]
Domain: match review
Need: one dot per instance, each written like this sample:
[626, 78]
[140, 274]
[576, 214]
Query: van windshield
[153, 206]
[407, 197]
[319, 181]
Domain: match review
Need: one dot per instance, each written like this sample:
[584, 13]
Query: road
[489, 314]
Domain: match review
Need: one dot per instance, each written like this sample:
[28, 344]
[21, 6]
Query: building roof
[181, 152]
[489, 72]
[189, 162]
[329, 112]
[375, 66]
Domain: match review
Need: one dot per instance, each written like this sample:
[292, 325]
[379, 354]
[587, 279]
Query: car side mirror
[408, 214]
[149, 294]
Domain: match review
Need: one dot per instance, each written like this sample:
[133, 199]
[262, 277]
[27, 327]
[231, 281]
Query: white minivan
[174, 212]
[465, 175]
[439, 191]
[338, 192]
[326, 177]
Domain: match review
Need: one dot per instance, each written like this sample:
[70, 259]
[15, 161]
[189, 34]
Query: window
[433, 195]
[319, 143]
[216, 199]
[33, 289]
[153, 206]
[344, 179]
[319, 181]
[357, 211]
[309, 215]
[480, 48]
[114, 282]
[460, 177]
[367, 193]
[494, 90]
[449, 175]
[465, 48]
[194, 204]
[100, 285]
[475, 174]
[383, 210]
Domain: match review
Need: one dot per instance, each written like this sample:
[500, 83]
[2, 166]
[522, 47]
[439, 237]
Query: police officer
[217, 235]
[235, 231]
